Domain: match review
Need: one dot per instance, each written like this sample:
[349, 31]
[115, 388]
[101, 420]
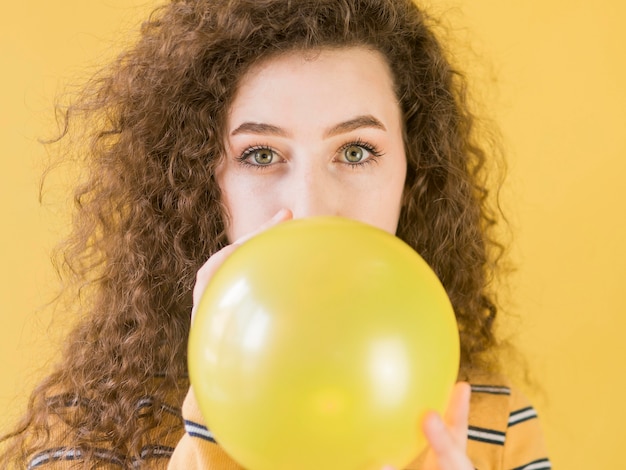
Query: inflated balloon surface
[319, 344]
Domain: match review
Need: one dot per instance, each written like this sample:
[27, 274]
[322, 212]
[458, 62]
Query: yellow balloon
[319, 344]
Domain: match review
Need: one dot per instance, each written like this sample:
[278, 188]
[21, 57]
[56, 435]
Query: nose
[313, 192]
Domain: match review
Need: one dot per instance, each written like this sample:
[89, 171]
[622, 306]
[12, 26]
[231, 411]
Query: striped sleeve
[197, 449]
[486, 433]
[525, 448]
[504, 431]
[503, 434]
[155, 449]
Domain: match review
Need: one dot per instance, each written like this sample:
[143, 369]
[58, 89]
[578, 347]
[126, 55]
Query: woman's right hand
[447, 435]
[208, 269]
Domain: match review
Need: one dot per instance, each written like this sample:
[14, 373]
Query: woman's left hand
[447, 437]
[206, 272]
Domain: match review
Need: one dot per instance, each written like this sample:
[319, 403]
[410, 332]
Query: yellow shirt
[504, 434]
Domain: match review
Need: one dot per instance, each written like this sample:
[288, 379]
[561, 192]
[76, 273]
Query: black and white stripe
[153, 452]
[71, 401]
[491, 389]
[489, 436]
[66, 400]
[522, 415]
[541, 464]
[68, 454]
[197, 430]
[147, 402]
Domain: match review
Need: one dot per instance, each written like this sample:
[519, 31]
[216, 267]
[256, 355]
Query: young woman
[227, 117]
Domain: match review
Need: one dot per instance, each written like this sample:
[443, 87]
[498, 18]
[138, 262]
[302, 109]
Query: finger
[450, 455]
[281, 216]
[457, 413]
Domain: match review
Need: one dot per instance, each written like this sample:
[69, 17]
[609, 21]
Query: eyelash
[372, 149]
[247, 153]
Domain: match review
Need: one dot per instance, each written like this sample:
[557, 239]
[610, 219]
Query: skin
[322, 135]
[330, 127]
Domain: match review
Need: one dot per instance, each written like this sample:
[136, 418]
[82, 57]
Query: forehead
[317, 81]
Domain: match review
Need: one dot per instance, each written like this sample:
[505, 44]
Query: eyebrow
[353, 124]
[259, 128]
[358, 122]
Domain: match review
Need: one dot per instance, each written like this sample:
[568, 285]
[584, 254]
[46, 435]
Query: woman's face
[319, 135]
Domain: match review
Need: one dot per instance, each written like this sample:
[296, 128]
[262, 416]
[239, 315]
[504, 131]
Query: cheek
[389, 212]
[394, 194]
[237, 207]
[232, 200]
[248, 205]
[379, 202]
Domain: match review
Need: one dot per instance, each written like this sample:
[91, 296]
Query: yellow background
[552, 74]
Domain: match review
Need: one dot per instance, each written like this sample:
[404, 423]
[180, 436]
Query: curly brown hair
[148, 212]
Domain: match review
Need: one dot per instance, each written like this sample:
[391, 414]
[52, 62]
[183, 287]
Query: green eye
[263, 156]
[353, 154]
